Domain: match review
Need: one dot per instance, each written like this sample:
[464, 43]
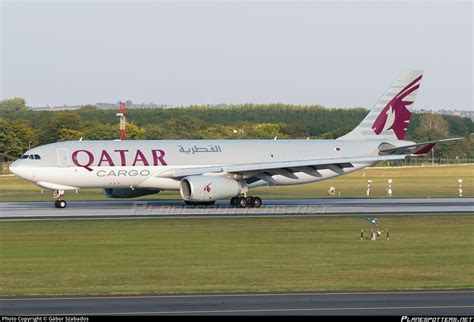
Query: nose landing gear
[59, 203]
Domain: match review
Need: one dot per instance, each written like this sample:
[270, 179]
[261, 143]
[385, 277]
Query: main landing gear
[60, 202]
[244, 202]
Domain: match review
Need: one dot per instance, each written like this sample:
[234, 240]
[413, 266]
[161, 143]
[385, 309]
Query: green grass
[233, 254]
[411, 182]
[421, 181]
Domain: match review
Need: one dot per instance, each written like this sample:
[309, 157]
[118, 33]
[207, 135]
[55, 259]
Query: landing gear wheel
[233, 201]
[60, 203]
[256, 202]
[249, 201]
[242, 202]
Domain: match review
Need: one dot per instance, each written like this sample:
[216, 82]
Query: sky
[332, 53]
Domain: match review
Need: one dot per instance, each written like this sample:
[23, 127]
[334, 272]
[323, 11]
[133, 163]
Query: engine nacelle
[128, 192]
[208, 188]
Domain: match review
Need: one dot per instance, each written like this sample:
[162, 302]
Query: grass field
[421, 181]
[234, 254]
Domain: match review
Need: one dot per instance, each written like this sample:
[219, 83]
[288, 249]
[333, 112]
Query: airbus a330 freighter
[207, 170]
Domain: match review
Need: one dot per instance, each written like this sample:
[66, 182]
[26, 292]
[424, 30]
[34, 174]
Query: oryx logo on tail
[396, 116]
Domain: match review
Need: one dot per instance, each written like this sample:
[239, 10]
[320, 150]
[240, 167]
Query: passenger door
[63, 158]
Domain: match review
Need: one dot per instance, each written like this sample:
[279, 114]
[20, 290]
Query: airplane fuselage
[145, 163]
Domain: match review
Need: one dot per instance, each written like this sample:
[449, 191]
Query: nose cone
[20, 170]
[14, 167]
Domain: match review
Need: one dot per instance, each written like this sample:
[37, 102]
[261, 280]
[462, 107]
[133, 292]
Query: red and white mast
[121, 114]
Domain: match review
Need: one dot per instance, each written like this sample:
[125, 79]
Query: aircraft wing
[265, 170]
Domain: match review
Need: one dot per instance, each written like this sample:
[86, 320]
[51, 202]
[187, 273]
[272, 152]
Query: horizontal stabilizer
[425, 149]
[419, 148]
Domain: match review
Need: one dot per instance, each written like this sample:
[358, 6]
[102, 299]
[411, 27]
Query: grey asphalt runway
[420, 303]
[272, 207]
[412, 303]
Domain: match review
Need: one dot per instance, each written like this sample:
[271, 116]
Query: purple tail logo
[395, 116]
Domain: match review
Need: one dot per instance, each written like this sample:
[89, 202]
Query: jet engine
[208, 188]
[128, 192]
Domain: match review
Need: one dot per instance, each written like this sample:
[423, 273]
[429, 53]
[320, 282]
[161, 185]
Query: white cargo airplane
[205, 171]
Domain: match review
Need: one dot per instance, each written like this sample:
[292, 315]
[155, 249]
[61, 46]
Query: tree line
[22, 128]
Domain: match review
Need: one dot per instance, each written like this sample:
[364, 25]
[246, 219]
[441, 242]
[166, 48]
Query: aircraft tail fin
[390, 116]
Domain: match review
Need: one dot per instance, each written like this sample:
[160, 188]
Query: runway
[426, 303]
[411, 303]
[127, 209]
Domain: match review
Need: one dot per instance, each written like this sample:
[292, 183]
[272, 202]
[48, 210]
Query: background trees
[15, 104]
[21, 127]
[15, 138]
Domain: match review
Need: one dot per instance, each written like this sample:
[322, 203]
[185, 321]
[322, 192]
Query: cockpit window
[31, 156]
